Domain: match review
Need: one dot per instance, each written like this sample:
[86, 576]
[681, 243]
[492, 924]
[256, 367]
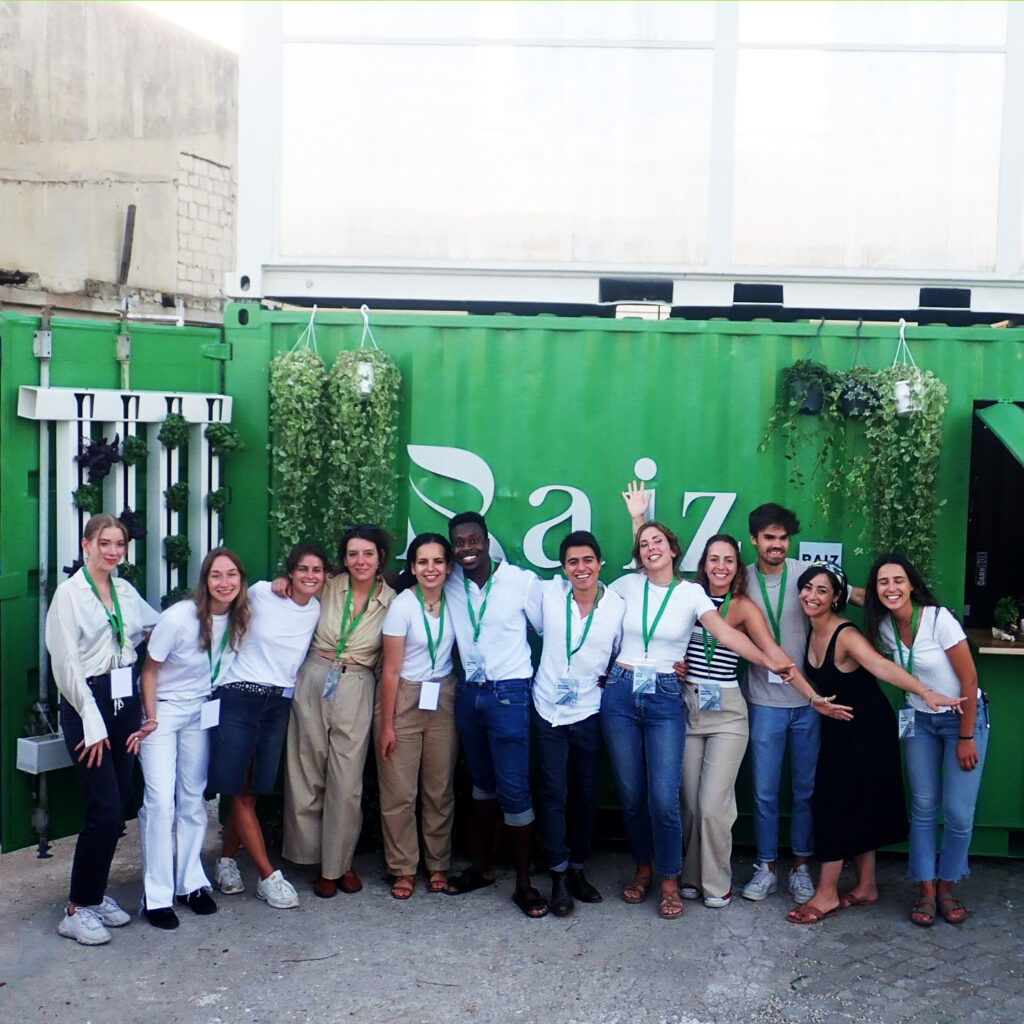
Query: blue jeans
[770, 729]
[569, 756]
[937, 780]
[644, 733]
[493, 720]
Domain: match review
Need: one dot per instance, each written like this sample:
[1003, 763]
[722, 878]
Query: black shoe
[161, 917]
[581, 888]
[561, 899]
[199, 901]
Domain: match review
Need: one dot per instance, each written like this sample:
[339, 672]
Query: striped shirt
[722, 669]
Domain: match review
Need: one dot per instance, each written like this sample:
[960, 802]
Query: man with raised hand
[488, 604]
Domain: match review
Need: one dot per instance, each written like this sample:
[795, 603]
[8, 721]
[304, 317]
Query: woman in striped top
[716, 717]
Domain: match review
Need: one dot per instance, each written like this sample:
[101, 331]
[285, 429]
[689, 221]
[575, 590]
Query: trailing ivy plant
[176, 497]
[359, 482]
[296, 444]
[223, 438]
[89, 498]
[134, 450]
[173, 431]
[177, 550]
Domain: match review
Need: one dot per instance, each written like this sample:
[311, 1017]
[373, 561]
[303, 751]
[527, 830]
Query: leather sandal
[637, 890]
[670, 906]
[468, 880]
[438, 882]
[922, 913]
[530, 902]
[404, 886]
[951, 909]
[806, 914]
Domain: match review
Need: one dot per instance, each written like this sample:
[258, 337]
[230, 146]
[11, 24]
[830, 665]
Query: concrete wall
[103, 105]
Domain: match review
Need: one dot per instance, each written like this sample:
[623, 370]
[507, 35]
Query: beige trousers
[423, 761]
[327, 744]
[715, 744]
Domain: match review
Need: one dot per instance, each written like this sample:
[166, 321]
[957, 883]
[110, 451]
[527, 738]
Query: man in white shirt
[581, 622]
[488, 605]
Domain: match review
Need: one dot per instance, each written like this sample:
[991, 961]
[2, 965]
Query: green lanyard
[215, 669]
[346, 629]
[432, 644]
[569, 649]
[775, 615]
[113, 617]
[711, 644]
[649, 633]
[474, 621]
[914, 619]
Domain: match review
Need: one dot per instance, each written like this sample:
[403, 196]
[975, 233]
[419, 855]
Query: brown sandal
[404, 886]
[806, 914]
[438, 881]
[637, 890]
[670, 907]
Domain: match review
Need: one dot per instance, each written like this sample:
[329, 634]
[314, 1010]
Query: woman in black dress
[858, 802]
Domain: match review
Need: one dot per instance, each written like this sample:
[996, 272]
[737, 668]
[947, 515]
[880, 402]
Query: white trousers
[173, 817]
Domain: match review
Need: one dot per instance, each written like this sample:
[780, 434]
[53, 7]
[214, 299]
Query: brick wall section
[206, 225]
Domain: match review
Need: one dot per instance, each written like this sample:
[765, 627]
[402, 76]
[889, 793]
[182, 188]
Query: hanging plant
[134, 450]
[853, 391]
[223, 438]
[361, 399]
[217, 501]
[132, 574]
[173, 431]
[177, 550]
[98, 457]
[176, 497]
[89, 498]
[296, 444]
[173, 596]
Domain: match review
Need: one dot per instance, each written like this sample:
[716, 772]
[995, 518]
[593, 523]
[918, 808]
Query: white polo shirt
[185, 669]
[405, 619]
[502, 641]
[668, 645]
[589, 662]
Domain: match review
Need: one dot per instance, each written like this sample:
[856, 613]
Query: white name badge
[209, 716]
[567, 691]
[476, 671]
[906, 723]
[121, 683]
[645, 678]
[709, 696]
[774, 677]
[430, 695]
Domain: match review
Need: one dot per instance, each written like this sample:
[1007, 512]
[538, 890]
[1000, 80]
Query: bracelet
[814, 697]
[965, 737]
[148, 720]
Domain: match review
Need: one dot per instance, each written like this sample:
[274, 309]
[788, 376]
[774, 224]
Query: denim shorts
[249, 738]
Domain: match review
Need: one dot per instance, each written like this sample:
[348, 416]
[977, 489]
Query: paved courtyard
[369, 958]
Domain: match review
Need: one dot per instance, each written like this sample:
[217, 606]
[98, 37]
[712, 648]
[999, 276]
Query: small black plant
[133, 523]
[98, 457]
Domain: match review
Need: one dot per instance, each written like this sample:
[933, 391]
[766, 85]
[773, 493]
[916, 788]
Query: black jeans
[569, 756]
[106, 788]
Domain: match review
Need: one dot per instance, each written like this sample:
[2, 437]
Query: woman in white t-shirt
[193, 642]
[414, 720]
[946, 754]
[642, 714]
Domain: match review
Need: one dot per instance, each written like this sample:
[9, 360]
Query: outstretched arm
[638, 501]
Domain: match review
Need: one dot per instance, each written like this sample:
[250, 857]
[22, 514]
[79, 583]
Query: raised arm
[637, 502]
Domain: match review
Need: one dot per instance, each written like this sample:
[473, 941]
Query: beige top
[364, 645]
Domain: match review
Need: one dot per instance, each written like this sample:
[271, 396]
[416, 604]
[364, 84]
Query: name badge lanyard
[775, 614]
[432, 644]
[907, 663]
[711, 642]
[114, 617]
[649, 633]
[569, 649]
[476, 622]
[346, 629]
[215, 668]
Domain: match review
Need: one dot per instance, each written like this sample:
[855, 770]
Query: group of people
[675, 679]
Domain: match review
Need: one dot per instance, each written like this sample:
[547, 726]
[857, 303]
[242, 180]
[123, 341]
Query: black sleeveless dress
[858, 802]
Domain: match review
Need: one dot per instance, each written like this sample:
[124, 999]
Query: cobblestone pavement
[439, 959]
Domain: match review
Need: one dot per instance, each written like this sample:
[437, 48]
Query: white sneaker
[278, 892]
[85, 927]
[763, 883]
[110, 913]
[717, 902]
[228, 877]
[801, 888]
[689, 892]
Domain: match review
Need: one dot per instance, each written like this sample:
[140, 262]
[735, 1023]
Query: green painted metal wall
[554, 411]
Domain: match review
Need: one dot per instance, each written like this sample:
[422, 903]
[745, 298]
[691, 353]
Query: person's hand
[93, 754]
[680, 670]
[936, 701]
[386, 741]
[785, 670]
[824, 706]
[282, 586]
[637, 499]
[136, 738]
[967, 754]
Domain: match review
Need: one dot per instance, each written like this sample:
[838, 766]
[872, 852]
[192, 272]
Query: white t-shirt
[590, 661]
[276, 642]
[937, 632]
[668, 645]
[502, 642]
[185, 669]
[405, 618]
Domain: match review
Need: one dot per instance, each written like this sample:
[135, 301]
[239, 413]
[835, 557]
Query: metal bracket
[123, 348]
[42, 344]
[216, 350]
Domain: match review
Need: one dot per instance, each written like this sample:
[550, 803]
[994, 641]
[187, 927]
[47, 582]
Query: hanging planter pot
[855, 391]
[907, 396]
[806, 383]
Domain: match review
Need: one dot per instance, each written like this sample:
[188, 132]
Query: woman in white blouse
[414, 720]
[94, 624]
[192, 644]
[946, 753]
